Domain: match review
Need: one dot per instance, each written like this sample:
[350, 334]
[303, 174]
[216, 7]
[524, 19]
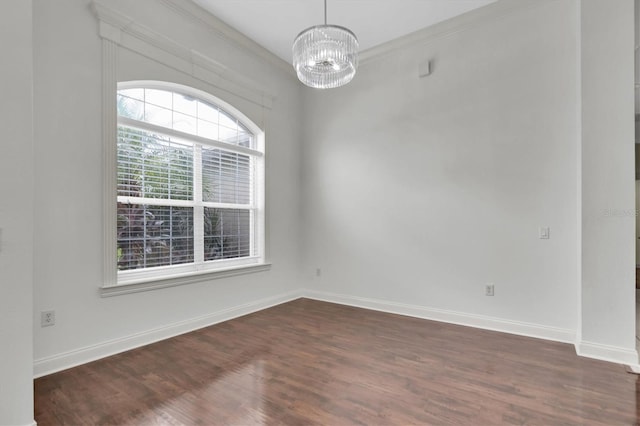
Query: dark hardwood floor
[308, 362]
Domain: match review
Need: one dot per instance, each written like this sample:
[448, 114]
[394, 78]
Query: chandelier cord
[325, 12]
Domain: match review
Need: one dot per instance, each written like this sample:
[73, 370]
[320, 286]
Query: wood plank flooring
[315, 363]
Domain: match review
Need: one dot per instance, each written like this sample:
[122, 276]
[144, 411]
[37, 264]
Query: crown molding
[126, 32]
[457, 24]
[220, 29]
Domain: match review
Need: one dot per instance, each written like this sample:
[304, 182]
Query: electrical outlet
[47, 318]
[489, 290]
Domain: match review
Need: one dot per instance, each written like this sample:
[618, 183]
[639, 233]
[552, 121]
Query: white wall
[68, 225]
[16, 214]
[636, 5]
[418, 192]
[608, 205]
[637, 124]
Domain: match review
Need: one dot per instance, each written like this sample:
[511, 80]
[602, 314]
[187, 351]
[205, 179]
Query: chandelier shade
[325, 56]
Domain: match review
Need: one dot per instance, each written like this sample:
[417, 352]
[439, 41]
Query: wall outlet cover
[47, 318]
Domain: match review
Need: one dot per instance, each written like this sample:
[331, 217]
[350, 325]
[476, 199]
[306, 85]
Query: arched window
[190, 183]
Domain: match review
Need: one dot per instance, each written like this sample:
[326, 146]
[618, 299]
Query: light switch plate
[424, 69]
[544, 233]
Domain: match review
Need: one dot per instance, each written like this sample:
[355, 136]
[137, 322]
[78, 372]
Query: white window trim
[177, 280]
[118, 30]
[116, 283]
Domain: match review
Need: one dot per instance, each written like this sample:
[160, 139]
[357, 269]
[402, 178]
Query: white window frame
[163, 276]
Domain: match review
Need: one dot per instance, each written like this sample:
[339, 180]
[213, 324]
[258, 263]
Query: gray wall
[607, 155]
[421, 191]
[68, 160]
[16, 214]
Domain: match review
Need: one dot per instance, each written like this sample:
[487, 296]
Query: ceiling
[275, 23]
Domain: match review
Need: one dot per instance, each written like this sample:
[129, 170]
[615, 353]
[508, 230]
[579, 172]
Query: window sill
[188, 278]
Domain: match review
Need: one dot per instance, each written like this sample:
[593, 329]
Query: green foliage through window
[159, 212]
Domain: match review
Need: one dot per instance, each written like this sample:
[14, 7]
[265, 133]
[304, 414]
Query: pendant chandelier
[325, 56]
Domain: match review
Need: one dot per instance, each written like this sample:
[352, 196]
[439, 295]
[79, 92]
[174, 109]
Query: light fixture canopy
[325, 56]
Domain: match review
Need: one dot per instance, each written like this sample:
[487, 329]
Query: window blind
[186, 182]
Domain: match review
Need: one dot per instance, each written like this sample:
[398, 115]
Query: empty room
[310, 212]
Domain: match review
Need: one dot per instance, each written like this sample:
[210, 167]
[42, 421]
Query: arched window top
[183, 109]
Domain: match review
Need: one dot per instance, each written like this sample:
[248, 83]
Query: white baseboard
[452, 317]
[52, 364]
[607, 353]
[634, 368]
